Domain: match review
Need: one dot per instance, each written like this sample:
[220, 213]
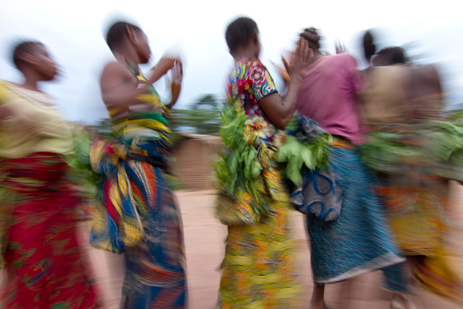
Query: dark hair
[369, 47]
[311, 35]
[117, 32]
[394, 55]
[27, 47]
[239, 32]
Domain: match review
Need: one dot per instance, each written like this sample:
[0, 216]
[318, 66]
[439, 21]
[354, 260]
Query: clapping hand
[176, 82]
[340, 48]
[177, 78]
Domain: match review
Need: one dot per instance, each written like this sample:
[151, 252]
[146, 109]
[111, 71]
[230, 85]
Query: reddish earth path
[204, 238]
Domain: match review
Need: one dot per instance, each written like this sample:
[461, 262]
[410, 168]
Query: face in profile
[43, 64]
[142, 46]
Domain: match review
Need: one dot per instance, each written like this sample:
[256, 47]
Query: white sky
[74, 30]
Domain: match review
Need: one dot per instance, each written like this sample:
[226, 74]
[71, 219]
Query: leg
[347, 288]
[397, 282]
[318, 295]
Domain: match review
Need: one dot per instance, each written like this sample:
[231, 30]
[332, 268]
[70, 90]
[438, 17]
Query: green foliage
[202, 118]
[173, 182]
[79, 161]
[456, 116]
[447, 140]
[293, 124]
[387, 150]
[238, 168]
[296, 155]
[441, 141]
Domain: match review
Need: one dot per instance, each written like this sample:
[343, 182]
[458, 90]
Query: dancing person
[39, 214]
[258, 268]
[360, 240]
[403, 106]
[139, 214]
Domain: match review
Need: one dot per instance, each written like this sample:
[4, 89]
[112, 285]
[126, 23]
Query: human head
[243, 33]
[369, 47]
[123, 34]
[32, 56]
[389, 56]
[311, 35]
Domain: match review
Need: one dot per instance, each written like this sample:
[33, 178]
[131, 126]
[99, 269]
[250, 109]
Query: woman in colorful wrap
[258, 268]
[139, 215]
[359, 240]
[415, 153]
[39, 215]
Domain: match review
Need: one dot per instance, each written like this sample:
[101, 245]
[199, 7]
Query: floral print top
[248, 83]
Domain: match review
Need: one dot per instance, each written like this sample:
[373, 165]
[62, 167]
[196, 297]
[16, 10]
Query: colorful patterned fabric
[138, 214]
[248, 83]
[43, 261]
[156, 276]
[305, 148]
[258, 268]
[319, 195]
[417, 202]
[359, 241]
[414, 162]
[317, 192]
[417, 212]
[143, 136]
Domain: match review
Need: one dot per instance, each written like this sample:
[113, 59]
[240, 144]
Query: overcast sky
[74, 32]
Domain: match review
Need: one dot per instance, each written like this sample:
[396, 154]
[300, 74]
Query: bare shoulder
[114, 69]
[114, 74]
[432, 71]
[428, 73]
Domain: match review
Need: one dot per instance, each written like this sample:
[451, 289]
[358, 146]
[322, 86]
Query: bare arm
[161, 68]
[119, 87]
[281, 111]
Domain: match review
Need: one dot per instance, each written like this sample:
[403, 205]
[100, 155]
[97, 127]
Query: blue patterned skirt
[360, 240]
[156, 275]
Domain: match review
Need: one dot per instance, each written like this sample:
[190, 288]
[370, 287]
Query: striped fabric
[138, 214]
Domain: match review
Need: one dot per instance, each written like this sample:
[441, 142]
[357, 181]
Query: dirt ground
[204, 242]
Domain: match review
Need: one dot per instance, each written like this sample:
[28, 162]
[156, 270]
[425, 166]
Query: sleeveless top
[137, 137]
[150, 124]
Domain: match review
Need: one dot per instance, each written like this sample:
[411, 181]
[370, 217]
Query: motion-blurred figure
[411, 148]
[258, 268]
[139, 215]
[38, 211]
[360, 240]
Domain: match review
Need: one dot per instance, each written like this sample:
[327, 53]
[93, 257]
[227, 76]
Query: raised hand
[176, 82]
[283, 72]
[177, 78]
[162, 67]
[340, 48]
[300, 59]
